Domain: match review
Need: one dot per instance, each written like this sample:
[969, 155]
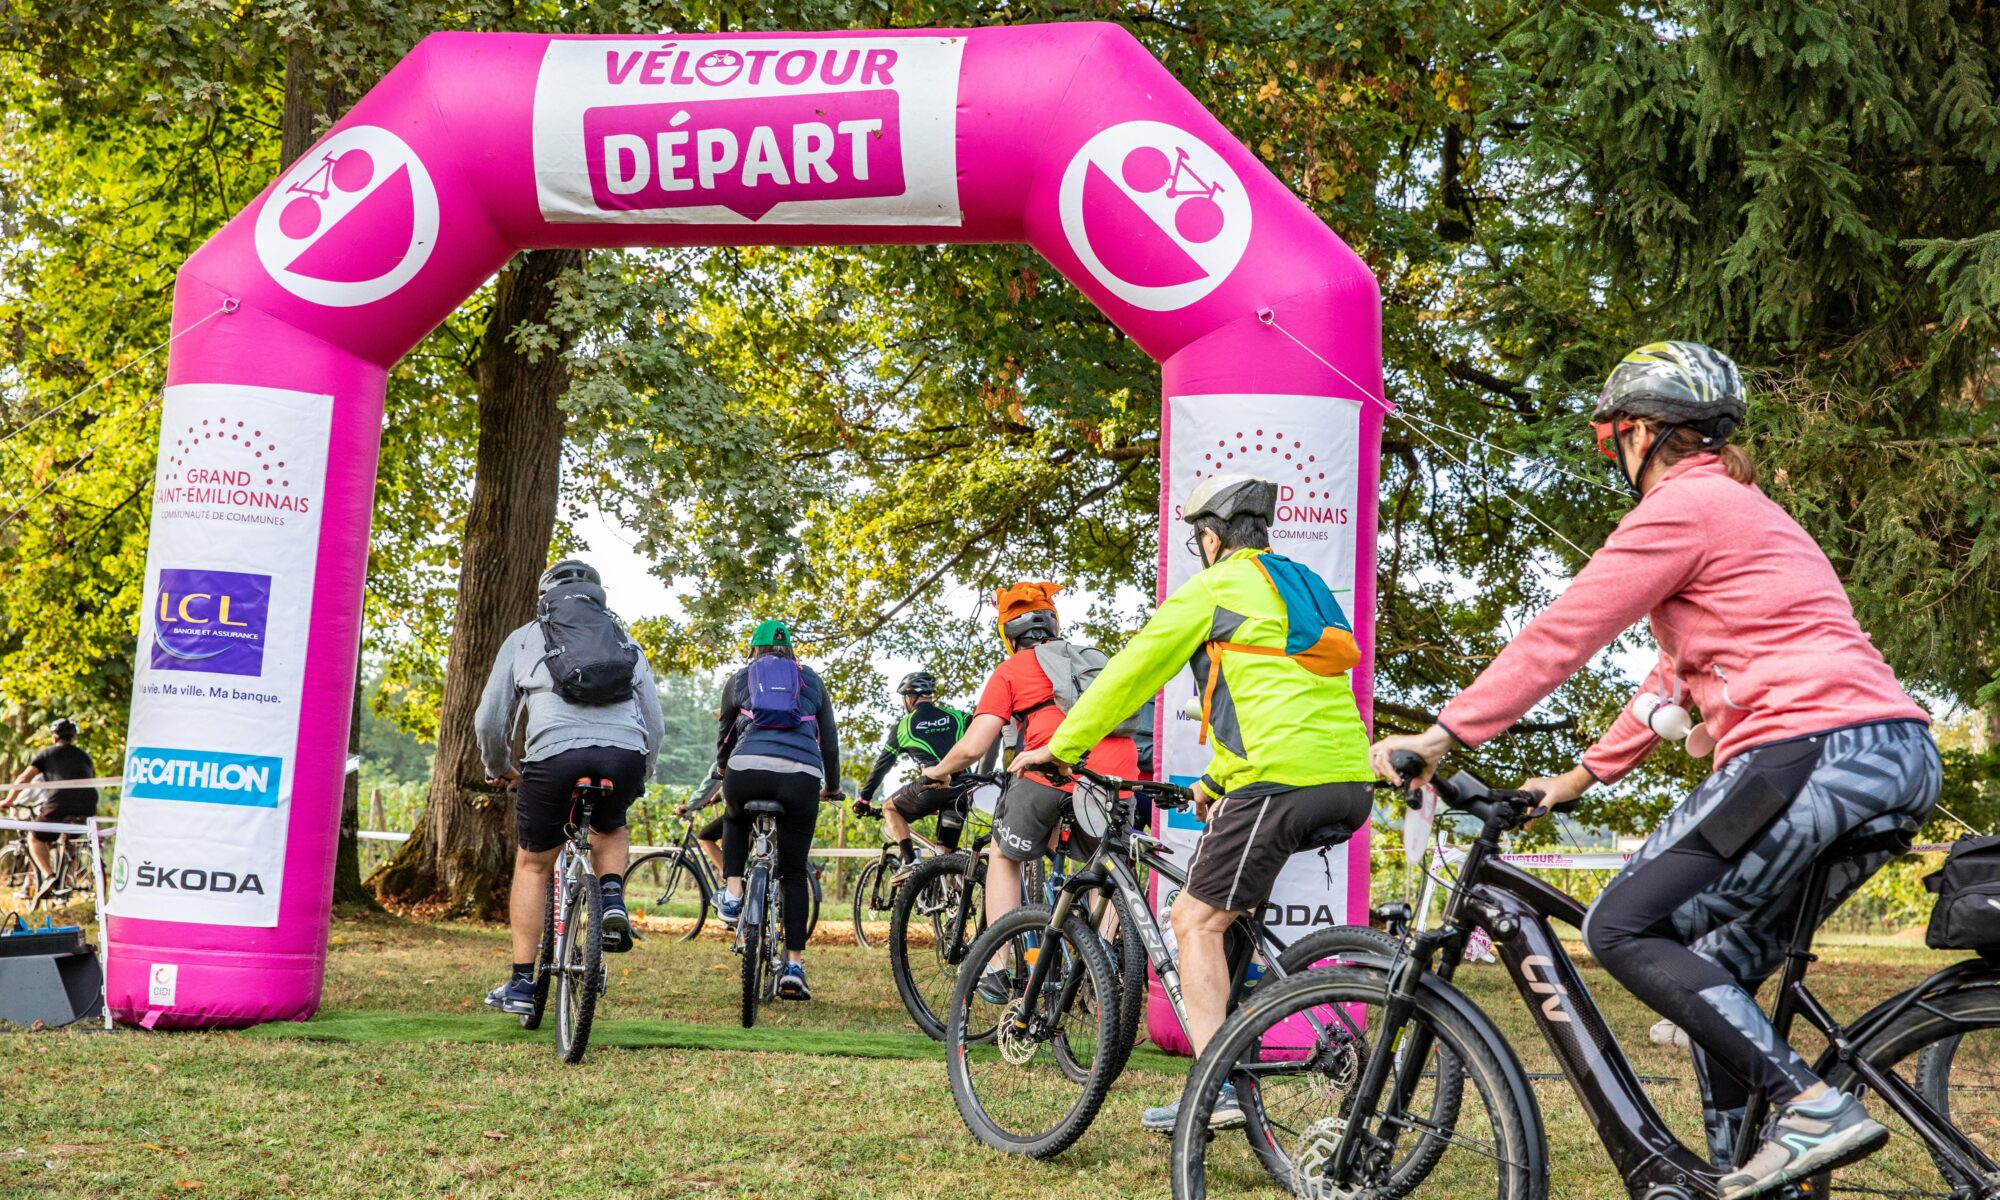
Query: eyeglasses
[1607, 437]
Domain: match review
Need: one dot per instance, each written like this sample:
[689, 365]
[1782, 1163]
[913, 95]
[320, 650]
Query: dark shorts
[63, 810]
[542, 797]
[1250, 838]
[711, 832]
[1029, 810]
[919, 800]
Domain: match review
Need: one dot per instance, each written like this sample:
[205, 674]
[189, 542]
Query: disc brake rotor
[1017, 1046]
[1316, 1147]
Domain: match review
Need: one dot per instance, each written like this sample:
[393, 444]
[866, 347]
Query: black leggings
[799, 793]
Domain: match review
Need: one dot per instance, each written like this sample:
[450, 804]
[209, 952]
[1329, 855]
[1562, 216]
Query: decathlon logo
[352, 221]
[1155, 214]
[203, 776]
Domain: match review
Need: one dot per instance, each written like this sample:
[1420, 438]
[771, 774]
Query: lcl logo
[1552, 1008]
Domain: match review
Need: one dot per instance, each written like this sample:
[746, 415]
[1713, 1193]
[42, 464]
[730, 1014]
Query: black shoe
[617, 922]
[996, 986]
[516, 996]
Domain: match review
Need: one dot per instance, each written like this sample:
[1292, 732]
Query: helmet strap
[1632, 478]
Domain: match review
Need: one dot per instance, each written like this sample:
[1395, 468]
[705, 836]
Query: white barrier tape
[383, 835]
[1605, 860]
[44, 827]
[112, 781]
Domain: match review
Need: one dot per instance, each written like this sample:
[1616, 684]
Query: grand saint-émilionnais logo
[1307, 501]
[203, 776]
[210, 621]
[826, 128]
[228, 468]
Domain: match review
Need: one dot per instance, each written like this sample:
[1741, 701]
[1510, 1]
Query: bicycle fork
[1038, 972]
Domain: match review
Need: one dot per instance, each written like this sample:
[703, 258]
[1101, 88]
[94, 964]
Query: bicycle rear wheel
[545, 962]
[946, 900]
[1299, 1047]
[871, 900]
[1018, 1093]
[667, 884]
[1948, 1048]
[750, 931]
[812, 918]
[580, 951]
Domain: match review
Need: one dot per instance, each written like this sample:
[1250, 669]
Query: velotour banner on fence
[1311, 446]
[221, 666]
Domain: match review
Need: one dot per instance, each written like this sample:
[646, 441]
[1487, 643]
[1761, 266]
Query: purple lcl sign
[210, 621]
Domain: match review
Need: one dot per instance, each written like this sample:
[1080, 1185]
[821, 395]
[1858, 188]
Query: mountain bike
[1382, 1025]
[874, 897]
[680, 881]
[571, 952]
[69, 870]
[760, 926]
[948, 894]
[1035, 1084]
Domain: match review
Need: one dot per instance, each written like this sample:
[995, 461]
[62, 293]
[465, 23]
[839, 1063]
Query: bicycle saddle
[1893, 832]
[764, 808]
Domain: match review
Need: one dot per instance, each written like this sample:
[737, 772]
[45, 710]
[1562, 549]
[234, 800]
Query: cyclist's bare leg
[1003, 891]
[714, 852]
[1199, 931]
[894, 823]
[609, 852]
[41, 853]
[528, 901]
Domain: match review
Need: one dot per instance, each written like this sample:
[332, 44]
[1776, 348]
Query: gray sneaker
[1227, 1114]
[1804, 1140]
[996, 985]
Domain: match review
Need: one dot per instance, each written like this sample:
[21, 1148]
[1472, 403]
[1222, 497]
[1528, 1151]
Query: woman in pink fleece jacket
[1813, 738]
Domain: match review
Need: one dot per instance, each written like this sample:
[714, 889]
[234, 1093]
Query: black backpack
[590, 659]
[1967, 914]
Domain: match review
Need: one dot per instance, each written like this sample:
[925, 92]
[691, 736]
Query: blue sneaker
[617, 922]
[729, 908]
[516, 996]
[792, 984]
[1228, 1114]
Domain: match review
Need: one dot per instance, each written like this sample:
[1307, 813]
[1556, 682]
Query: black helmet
[64, 729]
[917, 683]
[1031, 628]
[1231, 494]
[569, 570]
[1676, 383]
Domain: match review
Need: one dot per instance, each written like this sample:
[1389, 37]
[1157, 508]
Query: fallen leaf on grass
[188, 1184]
[465, 1107]
[153, 1067]
[496, 1135]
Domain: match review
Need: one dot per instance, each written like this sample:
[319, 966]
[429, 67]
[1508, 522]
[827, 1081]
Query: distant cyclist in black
[928, 729]
[65, 760]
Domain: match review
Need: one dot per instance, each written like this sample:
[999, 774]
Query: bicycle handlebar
[1509, 808]
[1169, 795]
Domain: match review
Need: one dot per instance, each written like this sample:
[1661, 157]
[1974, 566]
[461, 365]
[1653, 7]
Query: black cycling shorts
[542, 797]
[63, 810]
[711, 832]
[921, 799]
[1250, 838]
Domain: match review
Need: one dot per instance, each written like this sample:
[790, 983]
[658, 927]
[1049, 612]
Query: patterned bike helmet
[1676, 383]
[1231, 494]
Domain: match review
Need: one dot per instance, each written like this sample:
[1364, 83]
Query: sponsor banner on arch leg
[228, 603]
[1310, 446]
[782, 131]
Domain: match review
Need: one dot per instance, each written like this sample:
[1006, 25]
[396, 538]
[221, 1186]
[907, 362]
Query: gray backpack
[1071, 670]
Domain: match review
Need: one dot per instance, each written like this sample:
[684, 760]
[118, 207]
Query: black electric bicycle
[1382, 1027]
[1035, 1082]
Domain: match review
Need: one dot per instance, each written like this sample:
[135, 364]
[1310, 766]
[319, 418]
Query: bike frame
[1517, 911]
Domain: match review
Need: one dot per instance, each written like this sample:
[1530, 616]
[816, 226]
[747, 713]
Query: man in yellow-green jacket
[1271, 652]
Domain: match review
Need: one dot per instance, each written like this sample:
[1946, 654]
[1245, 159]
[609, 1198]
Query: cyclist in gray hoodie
[560, 742]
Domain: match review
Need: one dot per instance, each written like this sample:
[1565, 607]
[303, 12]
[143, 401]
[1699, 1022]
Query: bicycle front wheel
[1297, 1050]
[668, 885]
[812, 918]
[871, 898]
[944, 904]
[1019, 1093]
[580, 953]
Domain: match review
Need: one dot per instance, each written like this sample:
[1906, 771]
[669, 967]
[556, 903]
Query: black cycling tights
[799, 793]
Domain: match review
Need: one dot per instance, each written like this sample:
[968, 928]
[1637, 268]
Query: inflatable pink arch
[1070, 137]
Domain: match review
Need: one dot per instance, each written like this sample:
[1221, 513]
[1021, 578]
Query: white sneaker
[1666, 1033]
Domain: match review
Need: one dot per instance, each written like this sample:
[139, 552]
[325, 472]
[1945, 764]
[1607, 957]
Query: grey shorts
[1029, 810]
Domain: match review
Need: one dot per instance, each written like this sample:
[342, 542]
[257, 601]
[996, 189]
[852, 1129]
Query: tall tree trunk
[308, 101]
[460, 858]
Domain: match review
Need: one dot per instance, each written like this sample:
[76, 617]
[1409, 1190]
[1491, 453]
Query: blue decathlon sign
[203, 776]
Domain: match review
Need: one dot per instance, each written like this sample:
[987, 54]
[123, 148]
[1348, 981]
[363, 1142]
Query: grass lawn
[431, 1094]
